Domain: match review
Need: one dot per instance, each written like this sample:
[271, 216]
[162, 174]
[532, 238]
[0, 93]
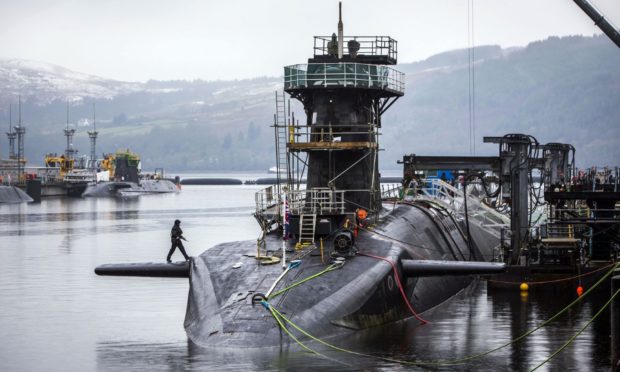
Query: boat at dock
[126, 179]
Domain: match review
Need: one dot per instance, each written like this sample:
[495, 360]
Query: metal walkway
[448, 196]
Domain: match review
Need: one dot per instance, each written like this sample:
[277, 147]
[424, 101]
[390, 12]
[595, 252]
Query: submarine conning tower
[344, 88]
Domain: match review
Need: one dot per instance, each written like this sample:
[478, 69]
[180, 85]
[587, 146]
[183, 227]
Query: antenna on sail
[340, 31]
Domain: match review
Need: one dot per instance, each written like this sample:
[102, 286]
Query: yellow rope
[331, 267]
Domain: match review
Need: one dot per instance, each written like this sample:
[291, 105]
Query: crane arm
[599, 20]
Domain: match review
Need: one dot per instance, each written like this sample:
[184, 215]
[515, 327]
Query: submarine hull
[362, 293]
[128, 189]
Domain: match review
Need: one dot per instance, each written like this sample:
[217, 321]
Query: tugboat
[333, 256]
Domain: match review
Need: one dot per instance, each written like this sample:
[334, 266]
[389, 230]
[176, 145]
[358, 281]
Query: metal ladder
[307, 224]
[281, 134]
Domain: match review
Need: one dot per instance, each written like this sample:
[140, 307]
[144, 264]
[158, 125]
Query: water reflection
[466, 326]
[55, 314]
[188, 357]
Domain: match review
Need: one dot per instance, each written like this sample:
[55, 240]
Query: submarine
[334, 256]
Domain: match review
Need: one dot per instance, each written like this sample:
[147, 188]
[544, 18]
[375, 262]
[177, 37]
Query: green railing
[346, 75]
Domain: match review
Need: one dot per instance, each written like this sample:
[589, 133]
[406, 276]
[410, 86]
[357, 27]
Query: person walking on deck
[176, 235]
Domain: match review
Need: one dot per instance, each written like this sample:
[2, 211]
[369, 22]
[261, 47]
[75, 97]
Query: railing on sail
[320, 201]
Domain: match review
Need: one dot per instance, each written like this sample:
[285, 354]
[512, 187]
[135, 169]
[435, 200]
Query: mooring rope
[275, 314]
[570, 341]
[279, 317]
[331, 267]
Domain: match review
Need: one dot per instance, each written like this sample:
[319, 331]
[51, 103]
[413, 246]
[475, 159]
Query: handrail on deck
[316, 201]
[313, 201]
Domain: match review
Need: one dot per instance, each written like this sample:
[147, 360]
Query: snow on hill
[44, 83]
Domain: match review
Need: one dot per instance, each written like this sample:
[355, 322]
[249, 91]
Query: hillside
[559, 90]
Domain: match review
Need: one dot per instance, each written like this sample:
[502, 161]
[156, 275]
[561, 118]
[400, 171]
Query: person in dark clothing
[176, 235]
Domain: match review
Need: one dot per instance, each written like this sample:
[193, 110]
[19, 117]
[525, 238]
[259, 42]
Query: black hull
[361, 294]
[76, 190]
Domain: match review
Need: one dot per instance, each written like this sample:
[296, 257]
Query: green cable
[347, 350]
[443, 362]
[283, 327]
[274, 313]
[331, 267]
[578, 333]
[543, 324]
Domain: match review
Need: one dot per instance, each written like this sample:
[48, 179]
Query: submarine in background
[125, 169]
[333, 256]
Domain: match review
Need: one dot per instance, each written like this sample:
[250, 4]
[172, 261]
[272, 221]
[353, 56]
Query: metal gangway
[281, 138]
[451, 198]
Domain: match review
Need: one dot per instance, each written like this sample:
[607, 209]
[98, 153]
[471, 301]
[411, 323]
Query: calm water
[56, 315]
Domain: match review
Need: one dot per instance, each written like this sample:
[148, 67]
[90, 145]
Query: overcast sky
[137, 40]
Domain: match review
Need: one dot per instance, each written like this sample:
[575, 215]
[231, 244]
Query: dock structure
[561, 219]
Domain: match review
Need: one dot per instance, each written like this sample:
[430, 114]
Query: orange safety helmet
[362, 214]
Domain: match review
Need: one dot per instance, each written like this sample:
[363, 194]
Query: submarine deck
[361, 293]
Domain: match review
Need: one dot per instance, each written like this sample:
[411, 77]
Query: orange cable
[400, 285]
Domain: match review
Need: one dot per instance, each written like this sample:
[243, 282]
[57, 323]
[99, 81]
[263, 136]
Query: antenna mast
[69, 151]
[11, 135]
[20, 131]
[93, 142]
